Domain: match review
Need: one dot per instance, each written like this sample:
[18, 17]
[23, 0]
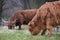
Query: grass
[23, 35]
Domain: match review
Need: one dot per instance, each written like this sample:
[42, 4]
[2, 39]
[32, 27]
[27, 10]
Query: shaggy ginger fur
[21, 17]
[47, 17]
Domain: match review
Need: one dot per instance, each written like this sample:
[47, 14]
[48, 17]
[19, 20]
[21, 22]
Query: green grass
[22, 35]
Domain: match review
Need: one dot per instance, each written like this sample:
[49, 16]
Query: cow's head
[34, 28]
[11, 24]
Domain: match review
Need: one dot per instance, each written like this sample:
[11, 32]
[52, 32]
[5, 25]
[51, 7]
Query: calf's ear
[14, 21]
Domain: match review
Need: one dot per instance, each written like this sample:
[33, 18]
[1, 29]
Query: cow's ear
[31, 23]
[14, 21]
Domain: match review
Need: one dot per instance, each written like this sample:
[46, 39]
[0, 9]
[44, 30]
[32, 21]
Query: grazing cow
[21, 17]
[47, 17]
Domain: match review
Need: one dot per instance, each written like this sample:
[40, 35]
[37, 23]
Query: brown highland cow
[21, 17]
[47, 17]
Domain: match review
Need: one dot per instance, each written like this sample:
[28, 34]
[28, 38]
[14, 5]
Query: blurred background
[7, 7]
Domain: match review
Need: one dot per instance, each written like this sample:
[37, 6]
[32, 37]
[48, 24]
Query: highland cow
[47, 17]
[21, 17]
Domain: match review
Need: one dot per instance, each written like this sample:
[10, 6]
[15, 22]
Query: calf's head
[11, 24]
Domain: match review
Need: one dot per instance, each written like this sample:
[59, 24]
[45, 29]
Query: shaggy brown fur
[21, 17]
[47, 17]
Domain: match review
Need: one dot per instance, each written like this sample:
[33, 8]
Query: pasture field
[24, 34]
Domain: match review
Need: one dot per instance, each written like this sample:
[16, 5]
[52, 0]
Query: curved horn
[14, 21]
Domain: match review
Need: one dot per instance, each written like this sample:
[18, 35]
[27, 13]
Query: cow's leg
[49, 31]
[21, 22]
[12, 27]
[57, 28]
[43, 32]
[49, 26]
[19, 27]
